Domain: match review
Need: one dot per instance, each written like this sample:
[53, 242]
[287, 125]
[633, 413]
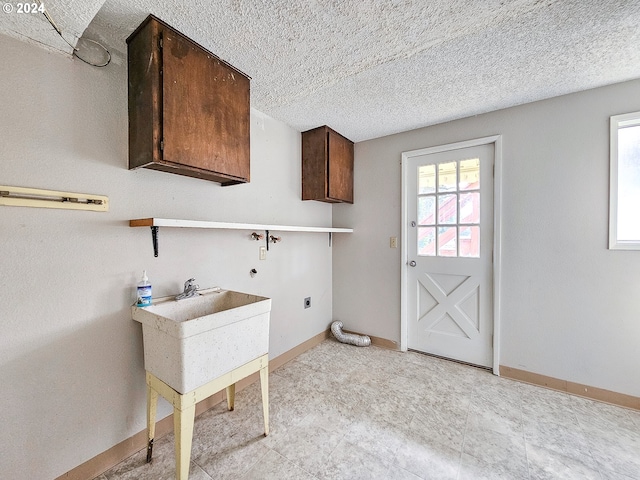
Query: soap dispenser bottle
[144, 291]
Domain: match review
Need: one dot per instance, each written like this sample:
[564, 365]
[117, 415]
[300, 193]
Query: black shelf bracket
[154, 237]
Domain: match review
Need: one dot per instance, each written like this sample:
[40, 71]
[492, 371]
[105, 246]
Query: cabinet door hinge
[160, 42]
[161, 144]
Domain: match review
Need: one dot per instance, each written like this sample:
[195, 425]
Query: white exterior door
[449, 246]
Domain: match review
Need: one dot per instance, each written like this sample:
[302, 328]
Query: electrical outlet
[263, 253]
[307, 302]
[393, 242]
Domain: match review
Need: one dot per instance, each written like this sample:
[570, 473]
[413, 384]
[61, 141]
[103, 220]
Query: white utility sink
[189, 342]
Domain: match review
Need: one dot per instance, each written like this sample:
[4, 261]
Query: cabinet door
[340, 166]
[205, 119]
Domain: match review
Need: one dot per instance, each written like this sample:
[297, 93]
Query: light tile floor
[343, 412]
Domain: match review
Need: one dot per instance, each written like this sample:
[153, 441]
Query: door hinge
[161, 144]
[160, 42]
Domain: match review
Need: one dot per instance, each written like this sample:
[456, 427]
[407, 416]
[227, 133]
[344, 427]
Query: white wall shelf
[155, 223]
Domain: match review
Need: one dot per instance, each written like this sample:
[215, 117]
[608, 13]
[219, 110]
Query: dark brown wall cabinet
[327, 166]
[188, 110]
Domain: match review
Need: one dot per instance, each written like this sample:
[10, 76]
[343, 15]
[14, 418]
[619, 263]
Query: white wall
[571, 307]
[71, 359]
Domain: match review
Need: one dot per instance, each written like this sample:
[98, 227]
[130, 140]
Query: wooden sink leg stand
[184, 407]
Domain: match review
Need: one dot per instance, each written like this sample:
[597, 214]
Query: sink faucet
[190, 289]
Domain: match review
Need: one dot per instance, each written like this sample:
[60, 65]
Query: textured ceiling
[369, 68]
[71, 18]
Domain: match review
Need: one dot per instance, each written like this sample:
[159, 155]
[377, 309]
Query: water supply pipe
[350, 338]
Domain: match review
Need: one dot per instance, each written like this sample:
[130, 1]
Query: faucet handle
[189, 283]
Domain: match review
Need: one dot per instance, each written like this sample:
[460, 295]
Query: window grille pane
[447, 242]
[470, 207]
[447, 178]
[427, 210]
[447, 209]
[448, 204]
[469, 242]
[427, 241]
[470, 174]
[426, 179]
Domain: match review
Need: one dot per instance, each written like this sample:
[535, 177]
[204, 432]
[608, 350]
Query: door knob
[412, 263]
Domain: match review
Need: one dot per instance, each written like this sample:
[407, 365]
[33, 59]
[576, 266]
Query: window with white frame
[624, 180]
[449, 209]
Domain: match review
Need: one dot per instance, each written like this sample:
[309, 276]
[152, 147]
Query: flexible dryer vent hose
[351, 338]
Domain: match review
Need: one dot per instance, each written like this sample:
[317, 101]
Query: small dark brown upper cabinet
[327, 166]
[188, 110]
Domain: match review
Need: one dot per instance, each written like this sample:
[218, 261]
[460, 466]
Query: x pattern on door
[448, 304]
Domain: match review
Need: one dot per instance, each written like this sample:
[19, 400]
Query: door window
[448, 204]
